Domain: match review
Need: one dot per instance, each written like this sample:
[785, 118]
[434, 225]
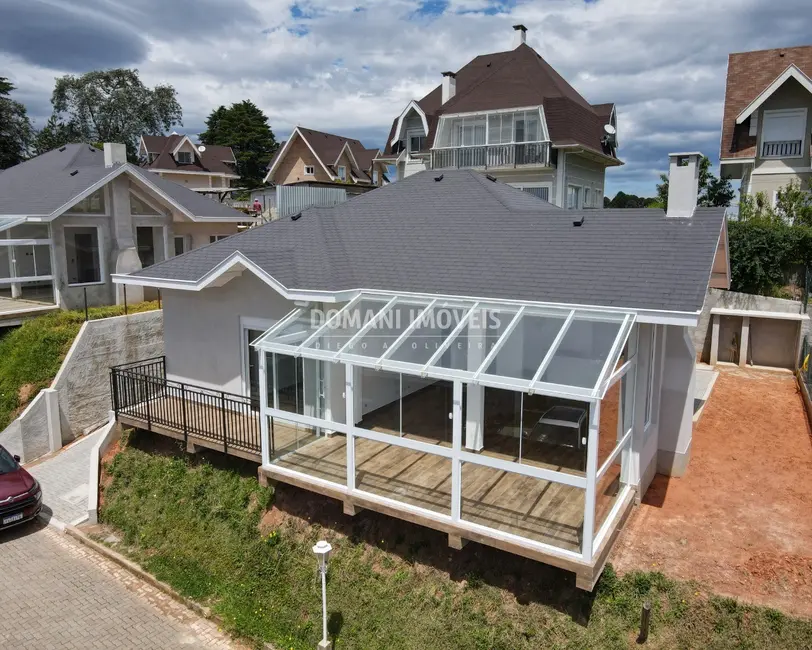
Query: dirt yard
[740, 520]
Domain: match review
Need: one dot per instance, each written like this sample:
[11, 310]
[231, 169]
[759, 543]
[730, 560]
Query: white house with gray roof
[72, 217]
[447, 350]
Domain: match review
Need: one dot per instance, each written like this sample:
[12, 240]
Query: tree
[623, 200]
[244, 128]
[54, 135]
[16, 133]
[793, 204]
[114, 106]
[716, 192]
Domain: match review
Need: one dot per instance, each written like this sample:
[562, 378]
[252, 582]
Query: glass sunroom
[504, 422]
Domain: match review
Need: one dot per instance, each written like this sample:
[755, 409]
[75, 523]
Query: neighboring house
[317, 158]
[73, 216]
[512, 115]
[447, 350]
[768, 119]
[208, 169]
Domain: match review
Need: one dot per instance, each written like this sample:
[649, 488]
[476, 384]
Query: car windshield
[7, 463]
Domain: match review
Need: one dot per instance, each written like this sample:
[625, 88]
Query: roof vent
[296, 216]
[492, 179]
[74, 172]
[437, 179]
[580, 222]
[62, 148]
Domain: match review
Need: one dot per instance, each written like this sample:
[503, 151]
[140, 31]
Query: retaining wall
[733, 300]
[83, 381]
[36, 430]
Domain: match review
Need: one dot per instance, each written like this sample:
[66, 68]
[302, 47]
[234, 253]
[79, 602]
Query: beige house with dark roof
[512, 115]
[768, 120]
[310, 156]
[209, 169]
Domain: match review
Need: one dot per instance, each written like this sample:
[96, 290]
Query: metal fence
[292, 199]
[141, 391]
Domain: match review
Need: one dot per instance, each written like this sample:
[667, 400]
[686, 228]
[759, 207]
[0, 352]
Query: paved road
[56, 594]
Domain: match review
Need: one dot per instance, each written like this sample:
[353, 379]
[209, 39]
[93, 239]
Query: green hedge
[763, 252]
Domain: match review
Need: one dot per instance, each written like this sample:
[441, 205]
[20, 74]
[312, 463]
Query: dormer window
[184, 157]
[342, 172]
[783, 133]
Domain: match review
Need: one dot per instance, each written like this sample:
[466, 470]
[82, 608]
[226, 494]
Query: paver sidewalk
[59, 594]
[64, 480]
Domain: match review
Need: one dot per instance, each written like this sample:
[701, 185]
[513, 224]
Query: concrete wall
[83, 381]
[35, 432]
[676, 410]
[733, 300]
[203, 334]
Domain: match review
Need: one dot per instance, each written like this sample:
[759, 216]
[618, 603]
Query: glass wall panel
[583, 352]
[28, 231]
[6, 268]
[405, 475]
[42, 259]
[297, 447]
[521, 505]
[24, 261]
[93, 204]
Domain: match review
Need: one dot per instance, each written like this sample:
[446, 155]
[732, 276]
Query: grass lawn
[206, 531]
[31, 354]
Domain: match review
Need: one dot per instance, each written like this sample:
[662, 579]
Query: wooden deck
[14, 310]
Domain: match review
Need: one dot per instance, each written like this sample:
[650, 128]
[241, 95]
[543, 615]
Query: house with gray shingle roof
[448, 350]
[513, 116]
[72, 217]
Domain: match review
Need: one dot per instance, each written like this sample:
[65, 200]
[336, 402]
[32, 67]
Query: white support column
[350, 403]
[714, 353]
[745, 341]
[475, 403]
[264, 435]
[456, 445]
[591, 472]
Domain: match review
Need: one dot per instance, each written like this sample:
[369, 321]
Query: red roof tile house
[512, 115]
[208, 169]
[315, 157]
[768, 119]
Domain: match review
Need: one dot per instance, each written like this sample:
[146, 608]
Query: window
[783, 133]
[93, 204]
[184, 157]
[309, 170]
[650, 379]
[417, 143]
[139, 207]
[494, 128]
[83, 255]
[145, 240]
[180, 244]
[539, 190]
[215, 238]
[573, 197]
[375, 176]
[342, 172]
[587, 197]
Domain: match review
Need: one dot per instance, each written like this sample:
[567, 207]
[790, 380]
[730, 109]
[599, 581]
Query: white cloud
[350, 66]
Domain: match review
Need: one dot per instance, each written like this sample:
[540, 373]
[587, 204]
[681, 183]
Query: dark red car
[20, 493]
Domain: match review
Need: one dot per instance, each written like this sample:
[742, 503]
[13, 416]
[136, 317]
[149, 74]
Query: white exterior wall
[585, 174]
[203, 332]
[676, 410]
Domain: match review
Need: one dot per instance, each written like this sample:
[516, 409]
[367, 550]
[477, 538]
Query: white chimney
[114, 154]
[519, 35]
[449, 85]
[683, 183]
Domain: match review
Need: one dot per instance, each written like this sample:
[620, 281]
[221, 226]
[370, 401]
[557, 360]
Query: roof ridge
[481, 80]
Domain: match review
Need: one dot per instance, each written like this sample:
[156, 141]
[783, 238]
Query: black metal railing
[492, 156]
[781, 148]
[141, 391]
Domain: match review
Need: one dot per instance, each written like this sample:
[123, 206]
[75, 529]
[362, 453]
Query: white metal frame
[102, 253]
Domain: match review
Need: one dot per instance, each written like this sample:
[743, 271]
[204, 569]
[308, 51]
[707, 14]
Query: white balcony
[782, 149]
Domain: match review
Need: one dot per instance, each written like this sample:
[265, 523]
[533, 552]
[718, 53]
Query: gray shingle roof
[42, 185]
[469, 236]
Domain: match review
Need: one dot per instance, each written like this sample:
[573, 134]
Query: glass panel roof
[555, 350]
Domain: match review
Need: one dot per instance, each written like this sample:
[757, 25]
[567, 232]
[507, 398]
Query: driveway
[57, 594]
[740, 520]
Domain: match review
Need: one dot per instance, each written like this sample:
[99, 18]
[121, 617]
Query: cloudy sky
[350, 66]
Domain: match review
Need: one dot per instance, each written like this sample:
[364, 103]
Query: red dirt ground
[740, 520]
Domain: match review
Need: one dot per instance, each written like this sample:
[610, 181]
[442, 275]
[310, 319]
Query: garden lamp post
[322, 550]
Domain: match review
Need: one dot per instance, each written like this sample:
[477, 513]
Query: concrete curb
[136, 570]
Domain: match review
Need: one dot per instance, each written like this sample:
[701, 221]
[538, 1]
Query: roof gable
[214, 159]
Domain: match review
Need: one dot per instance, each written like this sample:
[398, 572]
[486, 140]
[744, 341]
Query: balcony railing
[781, 149]
[141, 392]
[492, 156]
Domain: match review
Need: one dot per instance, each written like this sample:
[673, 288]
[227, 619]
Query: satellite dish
[609, 129]
[201, 148]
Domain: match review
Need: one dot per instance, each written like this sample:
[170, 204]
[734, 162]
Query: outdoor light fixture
[322, 550]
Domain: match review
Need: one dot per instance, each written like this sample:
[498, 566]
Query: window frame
[579, 197]
[190, 160]
[99, 250]
[312, 171]
[542, 134]
[650, 377]
[766, 114]
[213, 239]
[341, 172]
[105, 203]
[548, 185]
